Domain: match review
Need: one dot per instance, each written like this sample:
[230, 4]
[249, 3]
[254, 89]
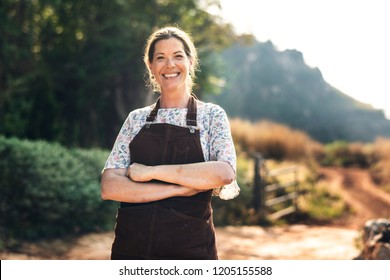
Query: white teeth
[171, 75]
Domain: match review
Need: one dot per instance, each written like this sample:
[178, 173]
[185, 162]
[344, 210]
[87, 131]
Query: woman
[168, 160]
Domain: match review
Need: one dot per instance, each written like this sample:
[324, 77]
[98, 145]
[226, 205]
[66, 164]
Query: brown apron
[172, 228]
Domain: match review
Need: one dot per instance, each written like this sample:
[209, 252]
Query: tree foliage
[71, 70]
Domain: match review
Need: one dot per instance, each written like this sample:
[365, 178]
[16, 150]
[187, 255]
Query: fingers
[138, 172]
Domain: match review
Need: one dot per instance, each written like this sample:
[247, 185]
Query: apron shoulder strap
[192, 111]
[153, 113]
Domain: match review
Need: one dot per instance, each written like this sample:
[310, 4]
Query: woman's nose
[170, 62]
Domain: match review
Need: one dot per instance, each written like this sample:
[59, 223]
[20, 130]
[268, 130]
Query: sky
[348, 40]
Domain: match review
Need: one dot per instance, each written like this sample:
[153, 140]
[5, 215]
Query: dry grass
[380, 168]
[274, 141]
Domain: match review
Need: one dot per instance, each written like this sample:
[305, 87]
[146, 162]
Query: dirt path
[336, 241]
[295, 242]
[366, 200]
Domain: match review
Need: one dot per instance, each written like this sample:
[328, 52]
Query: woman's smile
[171, 75]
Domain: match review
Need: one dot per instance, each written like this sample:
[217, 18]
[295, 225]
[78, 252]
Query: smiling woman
[170, 66]
[168, 160]
[178, 54]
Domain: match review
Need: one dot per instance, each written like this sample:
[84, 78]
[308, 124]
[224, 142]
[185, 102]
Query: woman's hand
[143, 173]
[139, 172]
[201, 175]
[115, 185]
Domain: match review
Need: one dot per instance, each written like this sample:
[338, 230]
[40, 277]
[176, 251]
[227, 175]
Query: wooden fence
[275, 191]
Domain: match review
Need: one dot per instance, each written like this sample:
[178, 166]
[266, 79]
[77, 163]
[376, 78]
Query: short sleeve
[222, 149]
[120, 153]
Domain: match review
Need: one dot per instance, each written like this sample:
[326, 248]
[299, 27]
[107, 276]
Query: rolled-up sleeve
[222, 149]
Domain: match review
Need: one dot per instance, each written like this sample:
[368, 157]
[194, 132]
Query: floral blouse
[215, 138]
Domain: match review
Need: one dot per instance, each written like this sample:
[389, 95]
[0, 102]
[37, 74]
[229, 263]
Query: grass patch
[321, 205]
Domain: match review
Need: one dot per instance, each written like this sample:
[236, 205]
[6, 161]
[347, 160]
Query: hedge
[47, 190]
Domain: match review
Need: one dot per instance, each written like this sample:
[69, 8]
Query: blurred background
[71, 71]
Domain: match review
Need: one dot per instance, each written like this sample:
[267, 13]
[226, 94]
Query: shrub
[344, 154]
[321, 205]
[47, 191]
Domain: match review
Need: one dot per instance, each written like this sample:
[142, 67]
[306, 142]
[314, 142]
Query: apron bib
[172, 228]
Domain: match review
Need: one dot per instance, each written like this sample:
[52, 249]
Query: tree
[71, 70]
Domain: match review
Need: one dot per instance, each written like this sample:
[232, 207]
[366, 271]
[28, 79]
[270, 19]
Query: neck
[174, 101]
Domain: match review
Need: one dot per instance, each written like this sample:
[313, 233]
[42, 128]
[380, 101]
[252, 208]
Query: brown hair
[163, 34]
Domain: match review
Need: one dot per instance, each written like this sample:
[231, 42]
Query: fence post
[259, 193]
[296, 189]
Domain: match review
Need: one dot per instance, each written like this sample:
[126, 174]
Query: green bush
[344, 154]
[48, 191]
[321, 205]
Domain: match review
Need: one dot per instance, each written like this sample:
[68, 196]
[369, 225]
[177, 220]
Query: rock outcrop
[376, 240]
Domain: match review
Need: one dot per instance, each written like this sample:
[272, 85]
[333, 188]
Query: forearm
[201, 176]
[116, 186]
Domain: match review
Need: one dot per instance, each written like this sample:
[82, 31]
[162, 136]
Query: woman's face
[170, 65]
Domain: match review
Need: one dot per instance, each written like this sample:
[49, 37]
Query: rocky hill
[264, 83]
